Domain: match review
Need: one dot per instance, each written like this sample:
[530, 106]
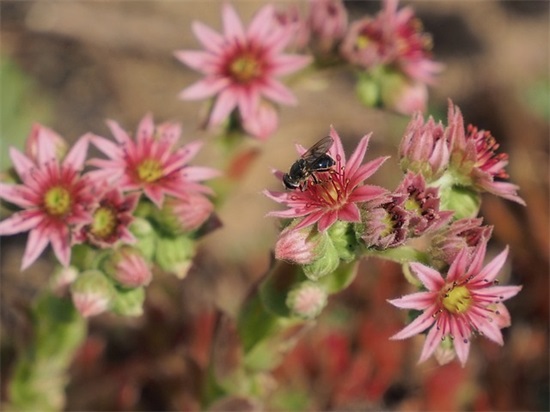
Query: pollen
[57, 201]
[245, 68]
[149, 170]
[457, 299]
[104, 222]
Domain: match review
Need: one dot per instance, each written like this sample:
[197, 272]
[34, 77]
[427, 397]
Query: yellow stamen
[245, 68]
[149, 170]
[457, 299]
[104, 222]
[57, 201]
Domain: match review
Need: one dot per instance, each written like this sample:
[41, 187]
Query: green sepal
[128, 301]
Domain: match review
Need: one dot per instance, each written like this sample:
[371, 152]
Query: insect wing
[318, 150]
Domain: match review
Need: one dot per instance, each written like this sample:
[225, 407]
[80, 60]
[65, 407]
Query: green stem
[41, 372]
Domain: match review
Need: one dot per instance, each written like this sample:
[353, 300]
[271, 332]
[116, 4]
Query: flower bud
[146, 237]
[445, 351]
[327, 261]
[302, 246]
[399, 93]
[342, 235]
[183, 215]
[128, 267]
[263, 123]
[461, 234]
[62, 278]
[129, 302]
[306, 300]
[92, 293]
[463, 201]
[175, 255]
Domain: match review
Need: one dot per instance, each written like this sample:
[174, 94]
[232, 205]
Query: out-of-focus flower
[424, 149]
[474, 161]
[336, 193]
[393, 39]
[291, 19]
[42, 139]
[128, 267]
[463, 302]
[53, 195]
[307, 300]
[62, 279]
[150, 162]
[421, 204]
[92, 293]
[264, 123]
[403, 95]
[241, 66]
[185, 214]
[112, 215]
[328, 22]
[460, 234]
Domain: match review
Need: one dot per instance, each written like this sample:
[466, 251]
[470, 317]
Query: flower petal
[433, 339]
[417, 301]
[277, 92]
[204, 88]
[36, 243]
[225, 103]
[419, 325]
[429, 277]
[232, 25]
[210, 39]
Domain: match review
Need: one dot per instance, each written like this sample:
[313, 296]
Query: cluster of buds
[108, 226]
[390, 52]
[335, 219]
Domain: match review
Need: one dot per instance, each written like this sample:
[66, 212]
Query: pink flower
[264, 123]
[421, 204]
[423, 148]
[461, 234]
[336, 194]
[112, 215]
[392, 38]
[463, 302]
[474, 158]
[241, 66]
[328, 21]
[150, 162]
[53, 195]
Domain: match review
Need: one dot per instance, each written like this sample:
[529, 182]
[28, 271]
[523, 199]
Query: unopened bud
[92, 293]
[307, 300]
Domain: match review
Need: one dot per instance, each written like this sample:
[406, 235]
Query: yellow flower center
[362, 42]
[104, 222]
[57, 201]
[245, 68]
[457, 299]
[149, 170]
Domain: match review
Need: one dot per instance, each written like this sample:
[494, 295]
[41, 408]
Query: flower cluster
[462, 161]
[97, 221]
[334, 218]
[242, 65]
[390, 51]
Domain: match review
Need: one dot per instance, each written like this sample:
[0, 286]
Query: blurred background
[71, 65]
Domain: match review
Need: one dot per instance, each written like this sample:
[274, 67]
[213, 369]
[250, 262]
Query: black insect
[314, 160]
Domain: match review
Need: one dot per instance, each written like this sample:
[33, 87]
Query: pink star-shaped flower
[464, 301]
[336, 193]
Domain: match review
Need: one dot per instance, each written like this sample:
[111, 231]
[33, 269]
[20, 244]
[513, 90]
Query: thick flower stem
[40, 375]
